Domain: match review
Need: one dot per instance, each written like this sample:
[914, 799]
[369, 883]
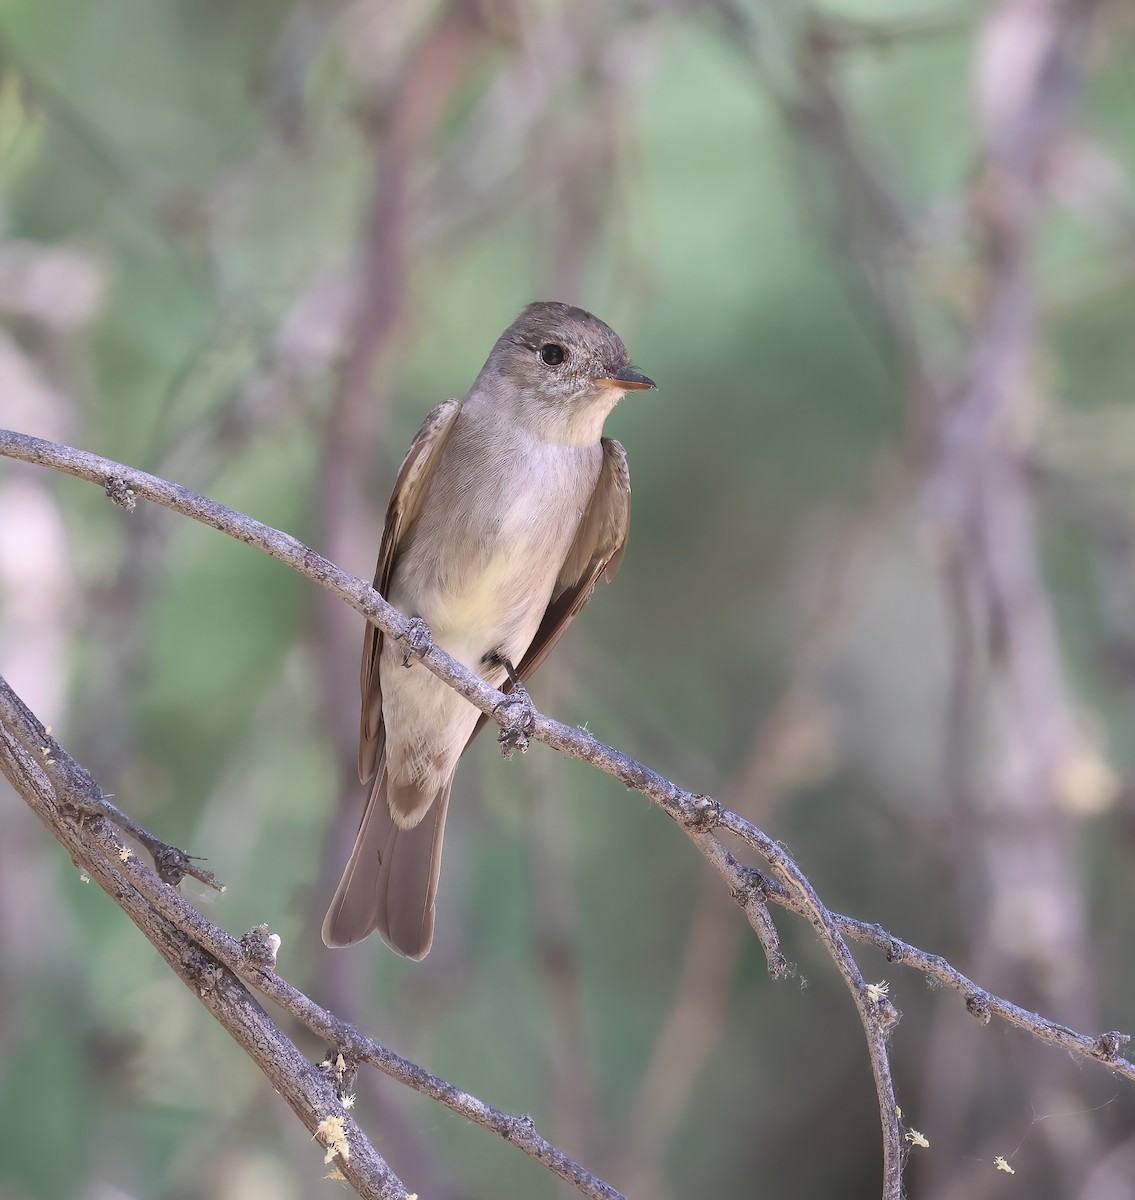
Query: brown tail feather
[352, 912]
[407, 881]
[390, 880]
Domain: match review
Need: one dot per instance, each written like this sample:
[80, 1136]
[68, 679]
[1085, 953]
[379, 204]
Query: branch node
[172, 865]
[703, 815]
[261, 946]
[977, 1005]
[342, 1072]
[1109, 1046]
[752, 895]
[886, 1014]
[895, 950]
[122, 495]
[85, 816]
[754, 886]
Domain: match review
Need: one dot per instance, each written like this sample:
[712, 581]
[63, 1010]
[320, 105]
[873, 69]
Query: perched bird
[509, 506]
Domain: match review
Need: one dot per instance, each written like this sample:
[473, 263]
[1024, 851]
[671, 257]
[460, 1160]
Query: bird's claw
[517, 716]
[416, 640]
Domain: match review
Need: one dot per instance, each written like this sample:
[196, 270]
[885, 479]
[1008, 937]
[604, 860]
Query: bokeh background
[879, 594]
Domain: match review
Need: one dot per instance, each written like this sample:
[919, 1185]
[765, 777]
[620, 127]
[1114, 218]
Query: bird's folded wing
[413, 479]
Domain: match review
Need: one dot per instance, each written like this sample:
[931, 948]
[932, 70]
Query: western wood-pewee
[509, 506]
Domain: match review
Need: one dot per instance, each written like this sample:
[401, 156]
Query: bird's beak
[626, 380]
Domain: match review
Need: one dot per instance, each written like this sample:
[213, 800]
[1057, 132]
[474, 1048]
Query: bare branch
[697, 815]
[700, 817]
[63, 795]
[212, 964]
[1106, 1048]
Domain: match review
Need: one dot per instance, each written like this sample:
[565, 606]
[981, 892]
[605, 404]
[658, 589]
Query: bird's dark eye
[551, 354]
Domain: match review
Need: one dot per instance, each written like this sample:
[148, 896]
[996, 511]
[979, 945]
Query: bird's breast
[492, 536]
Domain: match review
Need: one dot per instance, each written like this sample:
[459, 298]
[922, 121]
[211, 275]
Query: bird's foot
[416, 640]
[517, 715]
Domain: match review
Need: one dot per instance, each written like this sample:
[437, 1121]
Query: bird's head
[568, 368]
